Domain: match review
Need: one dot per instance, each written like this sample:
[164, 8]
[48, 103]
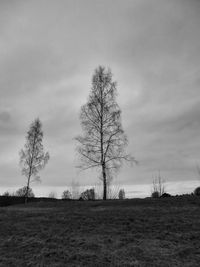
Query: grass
[149, 232]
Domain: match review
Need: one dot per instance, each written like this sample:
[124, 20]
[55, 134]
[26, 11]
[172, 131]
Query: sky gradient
[48, 53]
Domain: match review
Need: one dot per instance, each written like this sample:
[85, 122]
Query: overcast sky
[48, 53]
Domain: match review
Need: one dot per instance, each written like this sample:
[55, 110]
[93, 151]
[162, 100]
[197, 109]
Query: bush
[197, 191]
[121, 194]
[165, 195]
[6, 194]
[89, 194]
[21, 192]
[155, 194]
[66, 194]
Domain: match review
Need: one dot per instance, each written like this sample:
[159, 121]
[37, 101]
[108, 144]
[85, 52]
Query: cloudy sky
[48, 53]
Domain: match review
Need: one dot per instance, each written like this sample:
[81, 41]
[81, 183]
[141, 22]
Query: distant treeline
[179, 199]
[13, 200]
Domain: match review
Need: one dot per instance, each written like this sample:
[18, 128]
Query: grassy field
[149, 232]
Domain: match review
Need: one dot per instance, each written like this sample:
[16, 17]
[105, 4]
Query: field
[149, 232]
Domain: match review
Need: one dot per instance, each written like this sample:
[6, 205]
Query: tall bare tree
[32, 157]
[103, 143]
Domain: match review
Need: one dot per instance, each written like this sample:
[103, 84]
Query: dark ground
[149, 232]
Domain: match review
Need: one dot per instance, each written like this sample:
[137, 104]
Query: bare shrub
[165, 195]
[88, 194]
[6, 194]
[22, 192]
[66, 194]
[158, 187]
[121, 194]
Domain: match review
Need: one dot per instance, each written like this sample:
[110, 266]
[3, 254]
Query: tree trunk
[26, 195]
[27, 189]
[104, 182]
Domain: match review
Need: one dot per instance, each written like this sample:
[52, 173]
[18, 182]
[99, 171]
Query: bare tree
[88, 194]
[197, 191]
[158, 186]
[6, 194]
[21, 192]
[66, 194]
[32, 157]
[121, 194]
[103, 143]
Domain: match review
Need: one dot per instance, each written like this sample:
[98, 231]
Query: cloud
[4, 117]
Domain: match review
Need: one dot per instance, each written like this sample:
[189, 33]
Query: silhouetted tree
[158, 187]
[165, 195]
[103, 142]
[121, 194]
[197, 191]
[66, 194]
[22, 192]
[88, 194]
[6, 194]
[155, 194]
[32, 157]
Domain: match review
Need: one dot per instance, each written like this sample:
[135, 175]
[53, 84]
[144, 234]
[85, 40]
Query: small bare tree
[197, 191]
[121, 194]
[158, 188]
[88, 194]
[21, 192]
[6, 194]
[66, 194]
[32, 157]
[103, 143]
